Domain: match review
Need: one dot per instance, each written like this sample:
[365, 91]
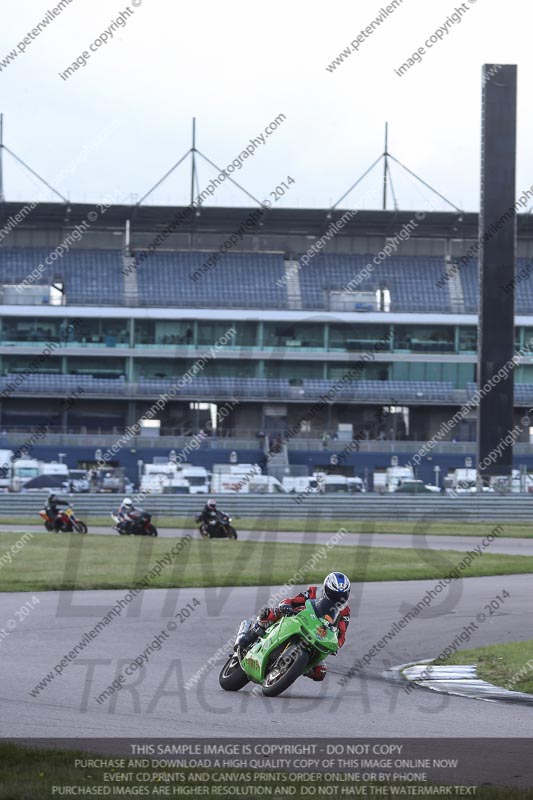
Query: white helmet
[337, 587]
[127, 502]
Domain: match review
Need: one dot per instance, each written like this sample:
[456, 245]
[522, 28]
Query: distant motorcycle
[139, 525]
[67, 521]
[219, 527]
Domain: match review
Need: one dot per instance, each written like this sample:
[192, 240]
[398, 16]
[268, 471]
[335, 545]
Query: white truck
[461, 481]
[233, 478]
[197, 478]
[243, 479]
[302, 483]
[163, 479]
[356, 485]
[24, 469]
[390, 479]
[265, 484]
[334, 484]
[78, 479]
[53, 468]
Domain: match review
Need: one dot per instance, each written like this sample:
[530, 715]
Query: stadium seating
[89, 276]
[387, 391]
[236, 280]
[211, 387]
[412, 281]
[250, 280]
[469, 280]
[205, 387]
[523, 392]
[61, 384]
[523, 286]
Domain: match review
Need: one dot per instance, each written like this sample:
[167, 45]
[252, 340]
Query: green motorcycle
[291, 646]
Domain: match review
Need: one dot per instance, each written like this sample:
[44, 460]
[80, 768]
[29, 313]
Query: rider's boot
[318, 673]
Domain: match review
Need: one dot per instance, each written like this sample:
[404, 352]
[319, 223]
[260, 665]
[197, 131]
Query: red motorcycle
[66, 521]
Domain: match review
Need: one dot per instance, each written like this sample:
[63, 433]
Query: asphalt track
[155, 702]
[509, 545]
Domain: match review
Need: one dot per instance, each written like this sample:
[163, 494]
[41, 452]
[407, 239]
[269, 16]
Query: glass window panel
[468, 339]
[97, 332]
[29, 331]
[376, 371]
[16, 364]
[173, 332]
[356, 337]
[108, 367]
[424, 338]
[288, 370]
[294, 335]
[211, 332]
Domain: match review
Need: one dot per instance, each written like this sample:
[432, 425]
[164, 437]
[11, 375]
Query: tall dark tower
[497, 233]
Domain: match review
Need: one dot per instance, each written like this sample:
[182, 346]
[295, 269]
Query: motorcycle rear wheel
[278, 679]
[232, 676]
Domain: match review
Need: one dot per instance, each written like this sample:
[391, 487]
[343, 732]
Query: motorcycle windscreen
[326, 607]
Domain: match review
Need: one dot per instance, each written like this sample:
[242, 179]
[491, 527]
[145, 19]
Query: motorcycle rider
[209, 513]
[52, 509]
[336, 587]
[126, 513]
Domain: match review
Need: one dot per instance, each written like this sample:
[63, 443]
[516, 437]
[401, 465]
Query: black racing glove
[285, 610]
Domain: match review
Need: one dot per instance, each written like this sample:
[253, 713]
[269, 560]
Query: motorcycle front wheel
[285, 670]
[151, 530]
[232, 676]
[232, 533]
[80, 527]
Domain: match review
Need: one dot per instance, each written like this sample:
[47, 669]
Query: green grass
[502, 664]
[30, 774]
[105, 562]
[522, 530]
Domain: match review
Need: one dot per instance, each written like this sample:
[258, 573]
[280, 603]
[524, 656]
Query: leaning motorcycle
[288, 649]
[219, 527]
[67, 521]
[139, 525]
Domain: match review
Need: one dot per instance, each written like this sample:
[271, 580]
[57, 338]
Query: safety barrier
[468, 508]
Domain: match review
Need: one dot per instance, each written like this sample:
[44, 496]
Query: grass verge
[521, 530]
[103, 562]
[32, 774]
[508, 665]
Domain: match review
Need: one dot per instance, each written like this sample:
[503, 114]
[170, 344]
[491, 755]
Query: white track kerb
[461, 680]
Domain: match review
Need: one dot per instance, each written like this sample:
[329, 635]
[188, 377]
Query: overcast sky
[119, 123]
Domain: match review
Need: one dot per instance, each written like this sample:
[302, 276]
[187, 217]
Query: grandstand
[123, 327]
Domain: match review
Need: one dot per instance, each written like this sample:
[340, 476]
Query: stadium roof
[311, 222]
